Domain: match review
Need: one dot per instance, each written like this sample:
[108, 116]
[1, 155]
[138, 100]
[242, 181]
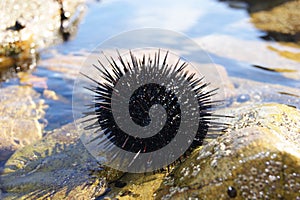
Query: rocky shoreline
[257, 158]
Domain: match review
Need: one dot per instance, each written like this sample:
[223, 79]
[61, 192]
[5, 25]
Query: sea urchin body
[149, 109]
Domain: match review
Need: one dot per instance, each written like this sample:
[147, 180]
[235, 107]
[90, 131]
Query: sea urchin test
[145, 109]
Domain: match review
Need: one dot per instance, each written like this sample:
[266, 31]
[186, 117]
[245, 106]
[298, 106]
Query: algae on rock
[258, 158]
[58, 166]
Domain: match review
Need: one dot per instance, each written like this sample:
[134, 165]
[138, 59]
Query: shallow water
[202, 21]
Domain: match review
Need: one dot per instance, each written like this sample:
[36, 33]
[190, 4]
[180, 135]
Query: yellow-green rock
[259, 159]
[58, 166]
[283, 18]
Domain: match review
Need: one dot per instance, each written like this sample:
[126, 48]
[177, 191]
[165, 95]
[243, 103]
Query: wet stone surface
[258, 158]
[58, 166]
[21, 120]
[28, 26]
[281, 21]
[263, 136]
[252, 92]
[279, 18]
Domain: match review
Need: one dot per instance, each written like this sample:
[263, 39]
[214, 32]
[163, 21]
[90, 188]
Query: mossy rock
[58, 166]
[282, 22]
[136, 186]
[259, 158]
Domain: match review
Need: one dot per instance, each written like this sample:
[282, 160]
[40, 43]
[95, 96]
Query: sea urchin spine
[124, 99]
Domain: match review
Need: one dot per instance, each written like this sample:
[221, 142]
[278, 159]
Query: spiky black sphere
[145, 97]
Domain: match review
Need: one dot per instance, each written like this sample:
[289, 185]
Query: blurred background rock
[28, 26]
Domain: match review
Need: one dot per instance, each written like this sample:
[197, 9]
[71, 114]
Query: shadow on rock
[58, 166]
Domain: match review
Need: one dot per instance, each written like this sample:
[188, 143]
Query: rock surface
[28, 26]
[258, 159]
[282, 21]
[252, 92]
[58, 166]
[21, 119]
[137, 186]
[279, 18]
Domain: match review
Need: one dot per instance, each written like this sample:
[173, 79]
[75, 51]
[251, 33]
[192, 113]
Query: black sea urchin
[126, 94]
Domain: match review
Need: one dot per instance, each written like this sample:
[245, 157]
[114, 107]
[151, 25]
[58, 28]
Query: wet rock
[58, 166]
[267, 128]
[256, 93]
[138, 186]
[21, 118]
[279, 18]
[20, 55]
[49, 94]
[258, 158]
[281, 22]
[27, 26]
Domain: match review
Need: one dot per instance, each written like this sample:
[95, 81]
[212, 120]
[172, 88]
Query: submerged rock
[258, 158]
[21, 118]
[58, 166]
[253, 92]
[27, 26]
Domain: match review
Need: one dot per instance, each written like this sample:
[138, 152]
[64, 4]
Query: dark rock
[120, 184]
